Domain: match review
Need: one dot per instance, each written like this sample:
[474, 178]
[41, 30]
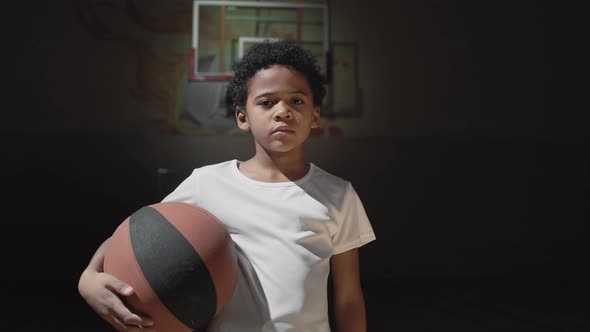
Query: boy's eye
[265, 103]
[297, 101]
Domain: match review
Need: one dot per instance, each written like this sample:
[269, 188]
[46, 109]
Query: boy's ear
[241, 119]
[315, 122]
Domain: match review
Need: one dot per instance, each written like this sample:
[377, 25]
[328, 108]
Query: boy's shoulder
[326, 178]
[215, 168]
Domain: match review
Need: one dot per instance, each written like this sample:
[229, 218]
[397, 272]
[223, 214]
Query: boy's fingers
[147, 322]
[116, 323]
[120, 326]
[128, 318]
[118, 286]
[139, 329]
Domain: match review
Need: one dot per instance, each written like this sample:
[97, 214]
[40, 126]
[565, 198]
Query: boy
[292, 222]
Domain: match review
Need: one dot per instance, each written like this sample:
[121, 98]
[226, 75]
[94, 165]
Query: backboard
[224, 30]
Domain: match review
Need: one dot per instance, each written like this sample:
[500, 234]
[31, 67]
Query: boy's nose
[283, 112]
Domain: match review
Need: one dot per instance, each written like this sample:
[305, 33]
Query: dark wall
[481, 178]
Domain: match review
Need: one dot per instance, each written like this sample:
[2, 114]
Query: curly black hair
[267, 53]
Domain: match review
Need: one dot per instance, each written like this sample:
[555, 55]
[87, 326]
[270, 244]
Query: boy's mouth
[283, 130]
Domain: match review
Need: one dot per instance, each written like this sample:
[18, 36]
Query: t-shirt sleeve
[354, 227]
[187, 190]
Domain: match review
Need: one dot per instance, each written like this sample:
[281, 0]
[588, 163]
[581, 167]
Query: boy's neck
[275, 168]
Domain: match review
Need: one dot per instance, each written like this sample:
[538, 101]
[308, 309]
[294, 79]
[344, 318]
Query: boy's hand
[101, 291]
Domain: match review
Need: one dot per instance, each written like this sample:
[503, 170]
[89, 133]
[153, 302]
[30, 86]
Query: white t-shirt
[285, 233]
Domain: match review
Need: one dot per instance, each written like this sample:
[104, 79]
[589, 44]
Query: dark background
[478, 195]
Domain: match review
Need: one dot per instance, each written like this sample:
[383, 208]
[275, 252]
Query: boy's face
[279, 109]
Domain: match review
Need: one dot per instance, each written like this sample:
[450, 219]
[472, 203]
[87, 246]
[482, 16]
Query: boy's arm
[97, 260]
[349, 302]
[101, 291]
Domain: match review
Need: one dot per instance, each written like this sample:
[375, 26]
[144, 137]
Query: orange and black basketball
[179, 259]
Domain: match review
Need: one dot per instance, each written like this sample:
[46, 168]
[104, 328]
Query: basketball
[180, 261]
